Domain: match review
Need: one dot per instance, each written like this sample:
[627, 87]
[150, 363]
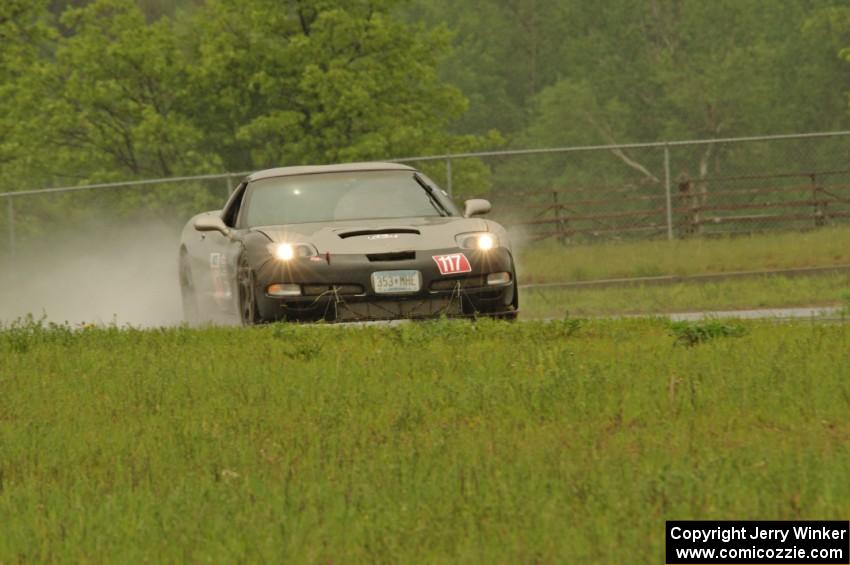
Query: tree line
[114, 89]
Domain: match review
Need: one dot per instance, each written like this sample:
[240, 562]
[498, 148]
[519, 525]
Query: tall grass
[467, 442]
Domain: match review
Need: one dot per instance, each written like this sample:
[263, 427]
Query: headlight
[289, 251]
[284, 252]
[482, 241]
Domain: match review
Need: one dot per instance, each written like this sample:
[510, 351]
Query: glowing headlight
[485, 242]
[284, 252]
[481, 241]
[289, 251]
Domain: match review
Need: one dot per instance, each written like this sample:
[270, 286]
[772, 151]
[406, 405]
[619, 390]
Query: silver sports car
[365, 241]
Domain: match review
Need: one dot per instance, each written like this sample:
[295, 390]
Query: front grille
[462, 283]
[394, 256]
[396, 309]
[341, 289]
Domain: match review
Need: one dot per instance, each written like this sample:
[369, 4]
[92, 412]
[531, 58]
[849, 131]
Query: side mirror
[475, 207]
[211, 222]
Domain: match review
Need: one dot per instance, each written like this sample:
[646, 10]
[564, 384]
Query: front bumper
[339, 287]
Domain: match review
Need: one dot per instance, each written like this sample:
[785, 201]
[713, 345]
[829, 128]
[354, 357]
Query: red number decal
[451, 264]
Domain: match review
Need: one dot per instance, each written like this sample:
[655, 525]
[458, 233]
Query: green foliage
[505, 52]
[695, 333]
[235, 86]
[24, 34]
[438, 442]
[551, 74]
[115, 89]
[645, 70]
[693, 70]
[22, 334]
[124, 96]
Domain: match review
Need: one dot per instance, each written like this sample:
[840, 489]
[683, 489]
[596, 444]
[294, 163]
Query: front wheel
[248, 311]
[191, 313]
[511, 314]
[497, 311]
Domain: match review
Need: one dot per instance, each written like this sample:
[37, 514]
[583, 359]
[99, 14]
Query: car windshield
[329, 197]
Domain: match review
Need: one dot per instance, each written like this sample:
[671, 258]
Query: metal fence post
[10, 209]
[559, 220]
[820, 205]
[229, 181]
[449, 176]
[667, 191]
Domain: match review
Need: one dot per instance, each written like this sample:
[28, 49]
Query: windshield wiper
[435, 202]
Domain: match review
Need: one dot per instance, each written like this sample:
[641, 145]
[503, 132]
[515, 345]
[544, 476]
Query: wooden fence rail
[713, 205]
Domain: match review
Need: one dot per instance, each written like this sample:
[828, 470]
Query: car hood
[376, 236]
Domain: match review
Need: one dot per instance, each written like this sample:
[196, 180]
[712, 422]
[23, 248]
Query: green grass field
[761, 292]
[551, 262]
[431, 442]
[548, 261]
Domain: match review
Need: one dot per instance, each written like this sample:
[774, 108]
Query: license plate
[396, 282]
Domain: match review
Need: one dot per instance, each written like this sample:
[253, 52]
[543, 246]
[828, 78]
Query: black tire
[515, 303]
[191, 312]
[246, 281]
[512, 314]
[508, 316]
[498, 311]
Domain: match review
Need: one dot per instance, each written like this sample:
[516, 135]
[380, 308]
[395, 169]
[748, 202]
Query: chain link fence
[33, 219]
[671, 189]
[570, 194]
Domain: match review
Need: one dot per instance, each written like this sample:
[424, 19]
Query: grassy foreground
[495, 442]
[551, 262]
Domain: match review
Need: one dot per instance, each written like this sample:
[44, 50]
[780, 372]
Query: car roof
[317, 169]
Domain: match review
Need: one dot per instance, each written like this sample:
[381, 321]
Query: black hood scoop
[379, 231]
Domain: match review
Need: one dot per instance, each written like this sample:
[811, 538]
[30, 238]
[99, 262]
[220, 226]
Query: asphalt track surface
[817, 314]
[679, 279]
[813, 313]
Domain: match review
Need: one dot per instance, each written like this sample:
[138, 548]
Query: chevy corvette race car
[364, 241]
